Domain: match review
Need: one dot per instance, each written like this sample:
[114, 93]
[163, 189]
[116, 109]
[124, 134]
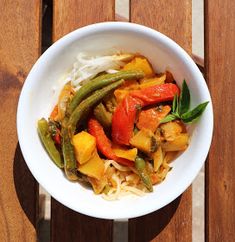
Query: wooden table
[20, 45]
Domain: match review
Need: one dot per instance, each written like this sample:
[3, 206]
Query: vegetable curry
[118, 128]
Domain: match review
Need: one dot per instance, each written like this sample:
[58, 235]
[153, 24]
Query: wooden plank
[72, 14]
[170, 18]
[173, 222]
[19, 49]
[69, 15]
[67, 225]
[220, 74]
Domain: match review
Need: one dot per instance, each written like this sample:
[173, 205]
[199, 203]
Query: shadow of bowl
[26, 187]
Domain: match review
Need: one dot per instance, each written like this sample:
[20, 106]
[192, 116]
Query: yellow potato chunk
[129, 85]
[179, 143]
[170, 130]
[94, 167]
[120, 94]
[129, 154]
[139, 63]
[148, 82]
[144, 140]
[98, 185]
[84, 146]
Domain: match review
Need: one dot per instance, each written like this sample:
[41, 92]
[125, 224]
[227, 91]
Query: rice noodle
[86, 66]
[107, 163]
[123, 178]
[113, 193]
[133, 190]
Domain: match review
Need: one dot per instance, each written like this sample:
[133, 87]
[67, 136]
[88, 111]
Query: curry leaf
[180, 107]
[168, 118]
[184, 101]
[194, 114]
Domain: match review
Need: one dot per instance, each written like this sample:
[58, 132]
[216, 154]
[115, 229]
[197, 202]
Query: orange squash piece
[140, 63]
[150, 118]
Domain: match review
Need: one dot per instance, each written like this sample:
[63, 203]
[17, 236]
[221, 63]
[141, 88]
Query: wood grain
[19, 49]
[170, 17]
[67, 225]
[174, 222]
[69, 15]
[220, 75]
[171, 223]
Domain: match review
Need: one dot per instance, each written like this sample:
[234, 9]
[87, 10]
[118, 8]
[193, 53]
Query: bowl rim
[114, 26]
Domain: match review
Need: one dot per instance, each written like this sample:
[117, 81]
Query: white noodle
[122, 179]
[107, 163]
[86, 67]
[134, 190]
[113, 193]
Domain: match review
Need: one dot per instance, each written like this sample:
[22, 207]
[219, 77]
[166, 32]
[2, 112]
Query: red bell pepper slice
[103, 144]
[125, 114]
[123, 120]
[57, 138]
[156, 94]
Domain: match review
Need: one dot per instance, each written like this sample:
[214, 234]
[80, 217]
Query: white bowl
[36, 101]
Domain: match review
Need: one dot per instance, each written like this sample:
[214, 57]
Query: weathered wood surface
[170, 223]
[69, 15]
[18, 52]
[172, 18]
[220, 75]
[67, 225]
[19, 49]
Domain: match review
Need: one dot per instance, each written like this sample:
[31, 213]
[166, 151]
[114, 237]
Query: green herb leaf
[175, 103]
[184, 101]
[168, 118]
[180, 107]
[194, 114]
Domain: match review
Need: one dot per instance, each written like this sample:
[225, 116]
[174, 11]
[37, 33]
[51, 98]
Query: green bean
[141, 168]
[70, 163]
[99, 82]
[43, 131]
[84, 107]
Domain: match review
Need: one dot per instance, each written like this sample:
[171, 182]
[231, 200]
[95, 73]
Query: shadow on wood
[86, 229]
[147, 227]
[26, 187]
